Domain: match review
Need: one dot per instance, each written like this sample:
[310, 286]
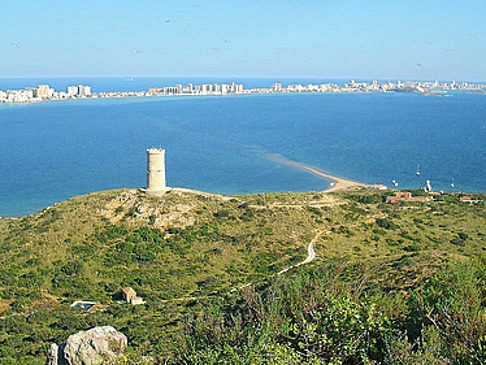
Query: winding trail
[311, 255]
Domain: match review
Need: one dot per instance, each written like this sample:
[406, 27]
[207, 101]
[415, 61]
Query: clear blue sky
[407, 39]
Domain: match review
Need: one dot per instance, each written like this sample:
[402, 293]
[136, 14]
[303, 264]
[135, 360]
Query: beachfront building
[72, 90]
[43, 91]
[84, 90]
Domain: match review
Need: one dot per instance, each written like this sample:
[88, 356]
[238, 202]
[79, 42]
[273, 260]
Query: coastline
[340, 183]
[42, 93]
[134, 95]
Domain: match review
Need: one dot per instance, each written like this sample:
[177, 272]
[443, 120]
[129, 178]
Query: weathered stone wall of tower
[156, 170]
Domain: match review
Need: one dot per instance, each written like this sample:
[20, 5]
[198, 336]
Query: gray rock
[89, 347]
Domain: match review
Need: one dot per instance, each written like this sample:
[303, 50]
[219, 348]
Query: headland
[185, 252]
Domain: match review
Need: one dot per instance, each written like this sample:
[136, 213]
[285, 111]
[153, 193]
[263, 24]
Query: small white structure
[379, 187]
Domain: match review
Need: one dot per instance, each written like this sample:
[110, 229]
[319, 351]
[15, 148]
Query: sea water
[55, 150]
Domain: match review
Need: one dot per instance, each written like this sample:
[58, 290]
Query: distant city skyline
[335, 39]
[45, 92]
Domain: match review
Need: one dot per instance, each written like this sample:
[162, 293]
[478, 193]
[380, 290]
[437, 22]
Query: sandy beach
[340, 183]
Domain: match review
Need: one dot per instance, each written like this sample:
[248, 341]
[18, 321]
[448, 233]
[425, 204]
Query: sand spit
[340, 183]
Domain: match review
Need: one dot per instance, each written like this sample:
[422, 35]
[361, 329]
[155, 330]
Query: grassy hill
[195, 245]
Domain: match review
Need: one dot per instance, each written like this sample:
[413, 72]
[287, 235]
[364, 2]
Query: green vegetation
[317, 317]
[391, 283]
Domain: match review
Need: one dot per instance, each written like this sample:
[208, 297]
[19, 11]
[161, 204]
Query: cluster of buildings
[374, 86]
[351, 87]
[120, 94]
[43, 92]
[79, 91]
[406, 196]
[204, 89]
[128, 294]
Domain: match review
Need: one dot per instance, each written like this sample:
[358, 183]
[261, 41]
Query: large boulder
[89, 347]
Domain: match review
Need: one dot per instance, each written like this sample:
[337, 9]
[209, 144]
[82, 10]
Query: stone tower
[155, 170]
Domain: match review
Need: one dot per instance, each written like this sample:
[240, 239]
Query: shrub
[453, 303]
[298, 320]
[458, 242]
[72, 267]
[315, 211]
[385, 223]
[367, 199]
[224, 213]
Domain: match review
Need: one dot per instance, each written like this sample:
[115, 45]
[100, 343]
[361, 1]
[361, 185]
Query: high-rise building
[84, 90]
[42, 91]
[72, 90]
[276, 87]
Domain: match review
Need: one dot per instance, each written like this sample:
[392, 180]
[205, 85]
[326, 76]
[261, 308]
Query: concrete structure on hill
[85, 305]
[156, 170]
[130, 296]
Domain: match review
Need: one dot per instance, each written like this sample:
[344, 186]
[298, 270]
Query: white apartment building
[72, 90]
[84, 90]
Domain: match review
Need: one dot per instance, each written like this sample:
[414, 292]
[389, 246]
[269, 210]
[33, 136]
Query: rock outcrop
[53, 355]
[88, 347]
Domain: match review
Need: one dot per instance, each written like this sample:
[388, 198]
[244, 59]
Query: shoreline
[43, 93]
[441, 93]
[340, 183]
[37, 102]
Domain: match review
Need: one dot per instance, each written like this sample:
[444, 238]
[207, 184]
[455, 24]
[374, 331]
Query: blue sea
[55, 150]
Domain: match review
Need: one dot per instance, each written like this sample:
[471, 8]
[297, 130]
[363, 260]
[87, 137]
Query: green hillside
[415, 271]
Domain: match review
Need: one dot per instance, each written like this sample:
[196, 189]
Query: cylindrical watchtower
[155, 170]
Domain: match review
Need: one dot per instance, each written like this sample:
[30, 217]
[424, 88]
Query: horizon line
[243, 77]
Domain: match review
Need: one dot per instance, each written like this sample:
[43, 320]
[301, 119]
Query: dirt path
[339, 182]
[311, 255]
